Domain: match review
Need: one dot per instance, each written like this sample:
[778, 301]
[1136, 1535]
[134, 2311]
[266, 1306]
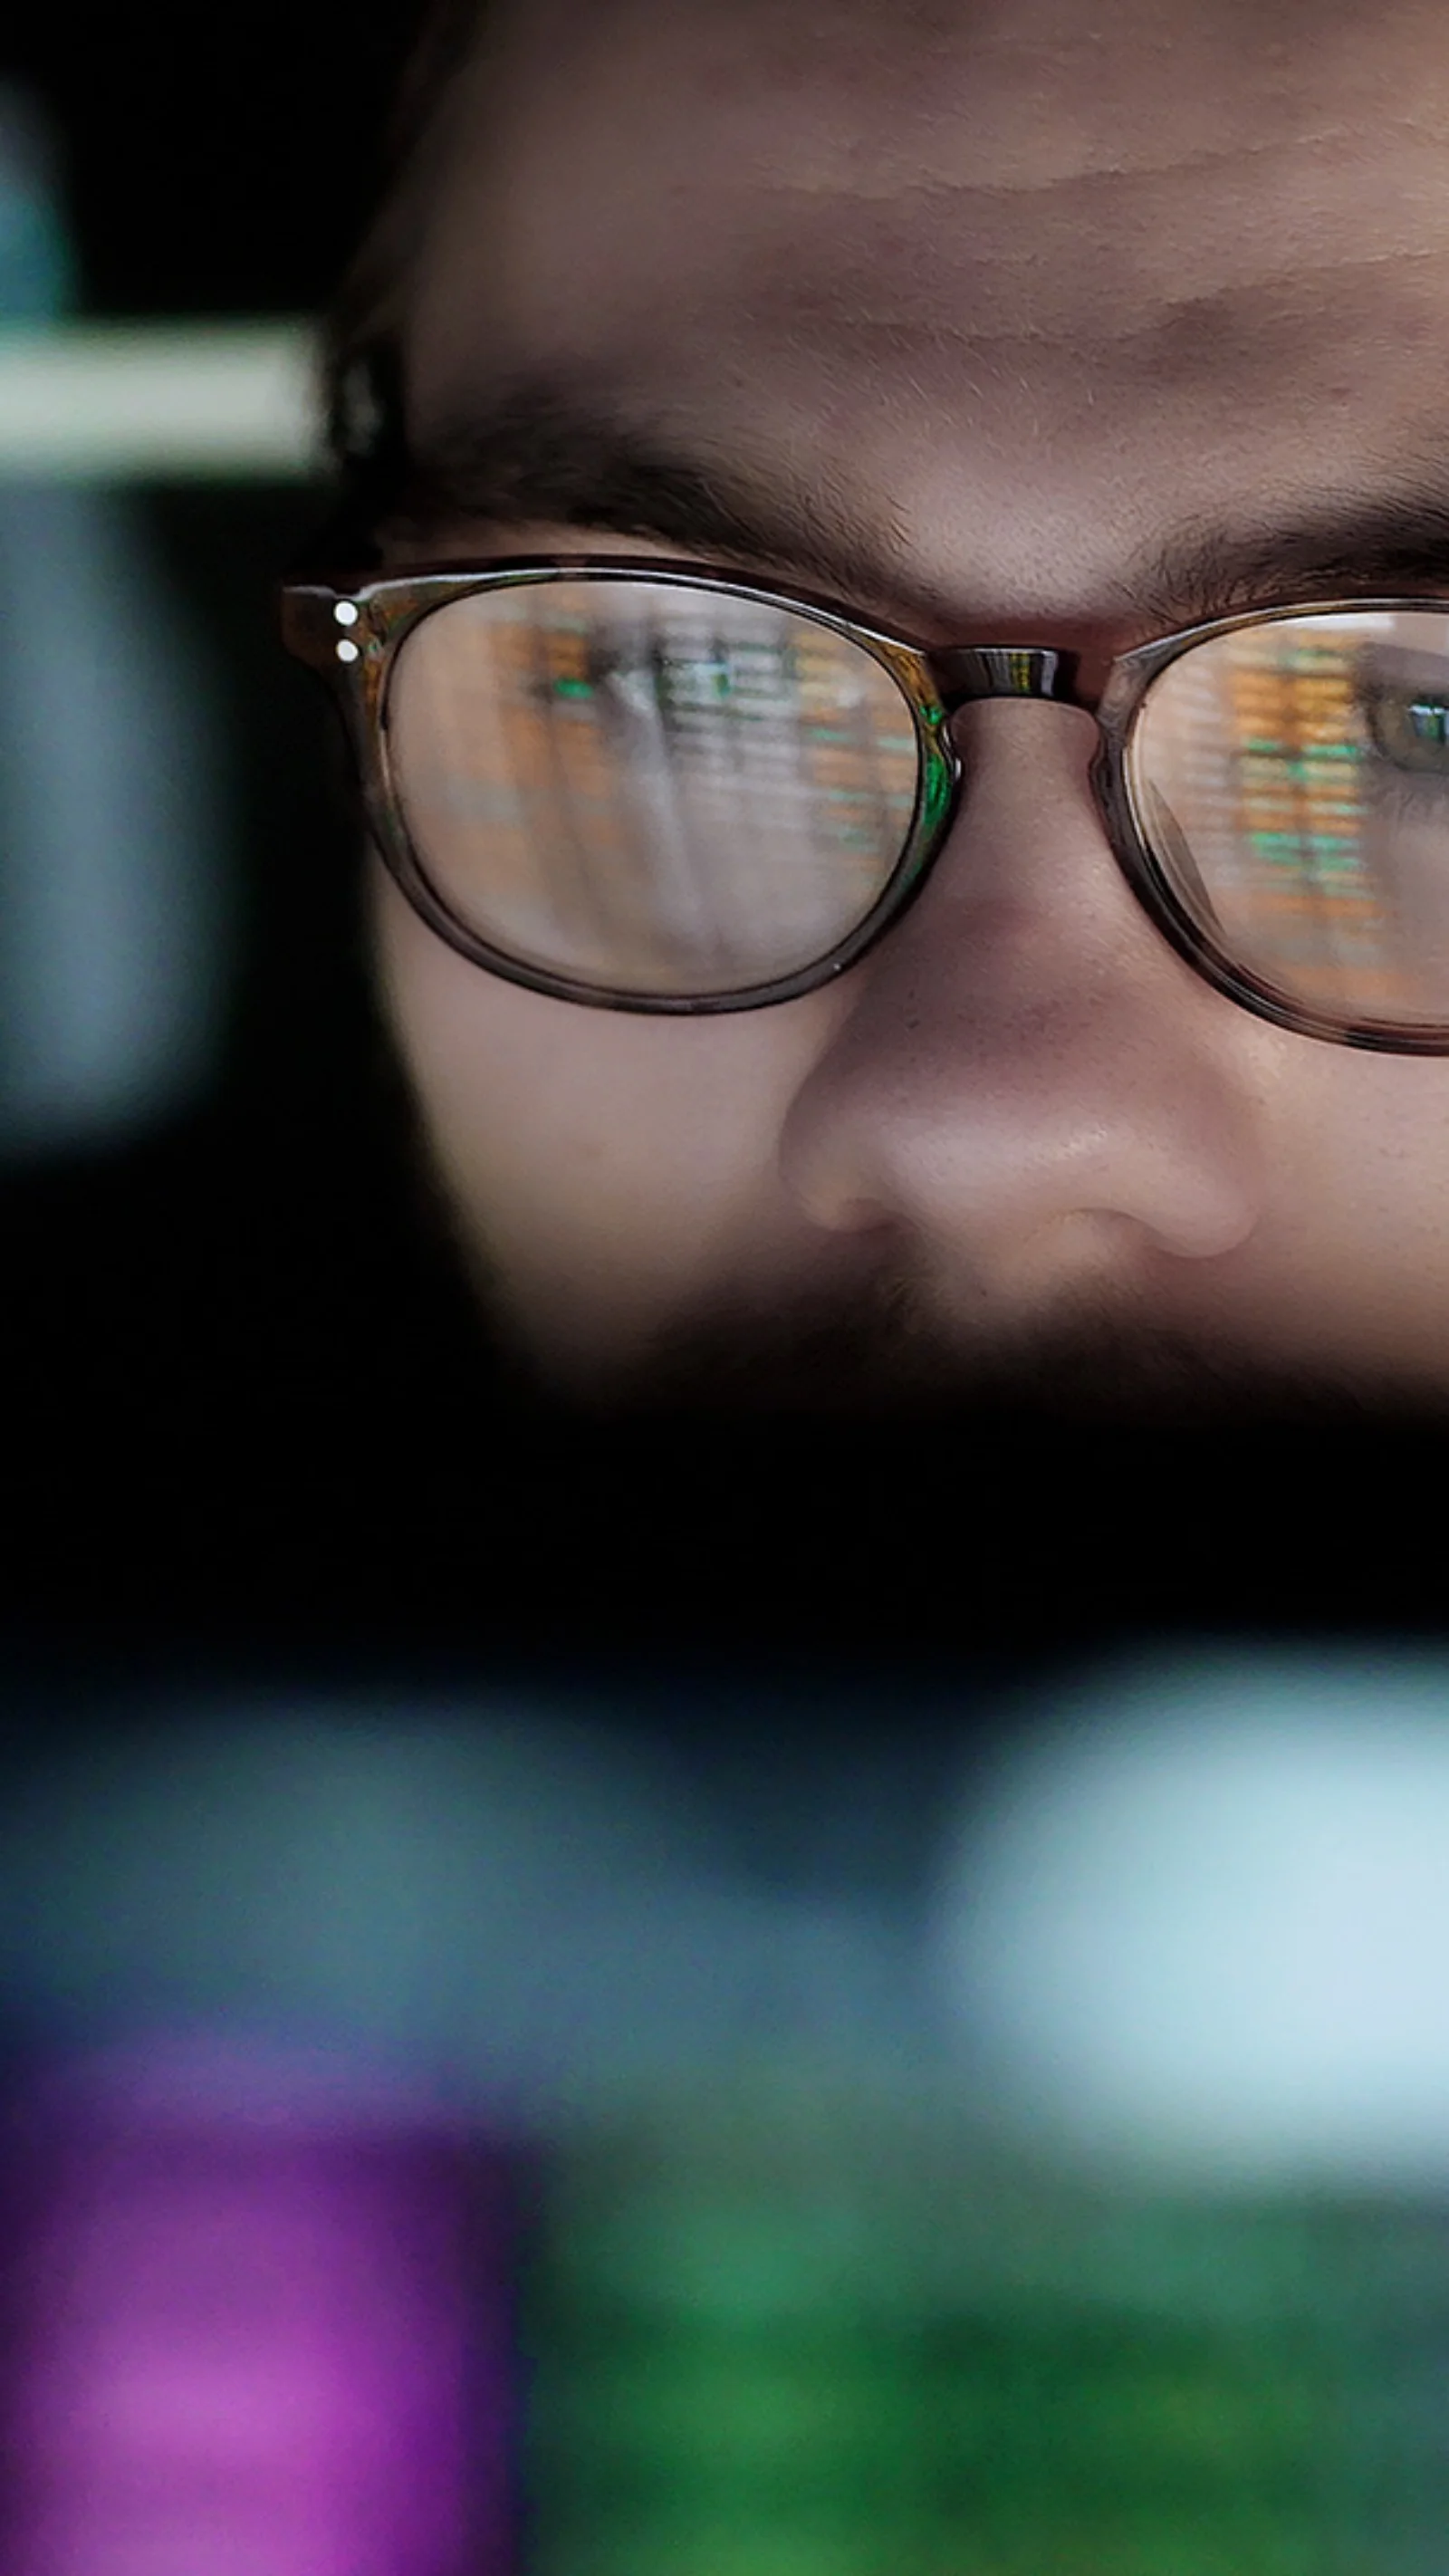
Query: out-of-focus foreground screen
[472, 2136]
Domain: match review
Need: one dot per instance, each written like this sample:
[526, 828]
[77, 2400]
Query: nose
[1026, 1081]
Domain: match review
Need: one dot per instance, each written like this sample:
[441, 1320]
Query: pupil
[1429, 720]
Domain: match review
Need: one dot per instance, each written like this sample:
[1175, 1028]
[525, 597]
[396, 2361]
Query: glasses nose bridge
[965, 674]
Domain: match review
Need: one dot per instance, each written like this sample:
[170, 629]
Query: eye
[1410, 728]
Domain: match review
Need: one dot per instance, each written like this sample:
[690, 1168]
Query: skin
[1018, 288]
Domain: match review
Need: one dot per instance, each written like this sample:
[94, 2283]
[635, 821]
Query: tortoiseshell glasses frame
[350, 630]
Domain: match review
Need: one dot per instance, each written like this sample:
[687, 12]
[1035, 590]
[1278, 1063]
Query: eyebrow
[1391, 540]
[544, 454]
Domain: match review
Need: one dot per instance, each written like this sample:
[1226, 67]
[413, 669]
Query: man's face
[1001, 301]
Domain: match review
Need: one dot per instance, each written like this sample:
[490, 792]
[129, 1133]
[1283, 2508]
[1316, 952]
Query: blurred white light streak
[1201, 1918]
[128, 402]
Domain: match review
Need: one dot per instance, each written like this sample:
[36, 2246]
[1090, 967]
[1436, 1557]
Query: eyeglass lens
[650, 788]
[653, 789]
[1293, 780]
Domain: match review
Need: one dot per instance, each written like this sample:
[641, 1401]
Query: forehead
[1015, 277]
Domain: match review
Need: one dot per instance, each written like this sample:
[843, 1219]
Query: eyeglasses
[654, 788]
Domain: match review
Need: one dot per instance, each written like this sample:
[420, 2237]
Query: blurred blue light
[114, 826]
[537, 1906]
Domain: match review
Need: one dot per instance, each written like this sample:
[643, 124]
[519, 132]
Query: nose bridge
[1026, 1048]
[966, 673]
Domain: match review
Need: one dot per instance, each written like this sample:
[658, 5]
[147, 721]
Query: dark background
[248, 1411]
[216, 162]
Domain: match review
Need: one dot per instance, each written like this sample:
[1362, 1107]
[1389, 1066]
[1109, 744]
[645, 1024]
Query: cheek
[597, 1144]
[1356, 1255]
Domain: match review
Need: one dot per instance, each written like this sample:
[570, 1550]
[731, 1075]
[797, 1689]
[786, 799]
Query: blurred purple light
[252, 2332]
